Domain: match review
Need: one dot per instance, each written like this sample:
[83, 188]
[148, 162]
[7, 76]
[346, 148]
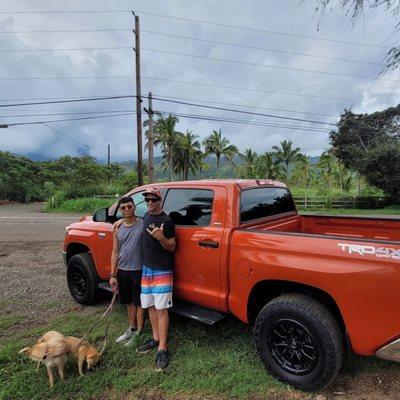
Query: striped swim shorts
[156, 288]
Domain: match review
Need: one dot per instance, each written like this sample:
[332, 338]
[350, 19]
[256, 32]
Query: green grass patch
[82, 205]
[390, 210]
[6, 321]
[211, 361]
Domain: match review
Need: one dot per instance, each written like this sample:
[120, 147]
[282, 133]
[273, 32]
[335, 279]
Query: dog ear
[24, 350]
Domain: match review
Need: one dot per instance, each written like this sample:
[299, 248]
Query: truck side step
[198, 313]
[201, 314]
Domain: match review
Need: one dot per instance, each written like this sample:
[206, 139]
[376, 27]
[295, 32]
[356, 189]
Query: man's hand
[157, 233]
[113, 284]
[117, 225]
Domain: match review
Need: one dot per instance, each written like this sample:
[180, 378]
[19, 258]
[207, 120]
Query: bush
[83, 205]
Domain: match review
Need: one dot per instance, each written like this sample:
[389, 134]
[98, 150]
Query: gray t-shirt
[130, 247]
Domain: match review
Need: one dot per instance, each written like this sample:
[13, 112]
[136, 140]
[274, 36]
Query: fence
[340, 202]
[106, 196]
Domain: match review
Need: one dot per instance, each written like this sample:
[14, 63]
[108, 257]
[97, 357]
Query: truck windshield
[263, 202]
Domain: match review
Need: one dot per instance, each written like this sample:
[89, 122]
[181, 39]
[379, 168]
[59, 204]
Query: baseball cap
[152, 191]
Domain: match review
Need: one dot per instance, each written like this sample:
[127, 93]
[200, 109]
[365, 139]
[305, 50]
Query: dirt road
[33, 286]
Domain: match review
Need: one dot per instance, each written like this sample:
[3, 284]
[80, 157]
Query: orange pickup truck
[315, 287]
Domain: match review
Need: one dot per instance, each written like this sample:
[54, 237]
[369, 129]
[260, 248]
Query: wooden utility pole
[151, 140]
[138, 103]
[108, 155]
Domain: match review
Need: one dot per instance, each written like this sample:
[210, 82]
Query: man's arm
[114, 259]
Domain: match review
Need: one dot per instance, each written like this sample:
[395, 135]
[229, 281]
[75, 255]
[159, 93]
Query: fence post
[305, 201]
[52, 201]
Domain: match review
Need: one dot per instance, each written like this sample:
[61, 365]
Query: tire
[299, 342]
[82, 279]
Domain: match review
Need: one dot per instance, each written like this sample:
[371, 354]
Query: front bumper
[390, 352]
[64, 254]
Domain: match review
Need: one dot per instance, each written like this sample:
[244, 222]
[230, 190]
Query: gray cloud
[284, 16]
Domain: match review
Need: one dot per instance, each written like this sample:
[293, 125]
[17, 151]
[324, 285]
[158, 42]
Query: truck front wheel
[299, 341]
[82, 279]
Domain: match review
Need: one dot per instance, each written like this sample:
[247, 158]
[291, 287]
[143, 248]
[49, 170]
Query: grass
[217, 361]
[390, 210]
[82, 205]
[6, 321]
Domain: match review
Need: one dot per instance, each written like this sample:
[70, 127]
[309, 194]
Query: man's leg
[154, 323]
[132, 309]
[163, 323]
[141, 317]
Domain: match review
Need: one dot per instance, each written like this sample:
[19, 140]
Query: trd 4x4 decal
[385, 252]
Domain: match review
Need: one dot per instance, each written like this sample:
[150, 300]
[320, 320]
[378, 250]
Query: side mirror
[101, 215]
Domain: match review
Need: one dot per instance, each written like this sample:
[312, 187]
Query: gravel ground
[33, 283]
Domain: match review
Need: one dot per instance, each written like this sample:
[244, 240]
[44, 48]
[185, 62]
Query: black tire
[299, 341]
[82, 279]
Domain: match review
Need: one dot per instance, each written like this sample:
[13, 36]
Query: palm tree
[220, 146]
[166, 137]
[187, 155]
[247, 169]
[302, 171]
[268, 166]
[327, 165]
[286, 155]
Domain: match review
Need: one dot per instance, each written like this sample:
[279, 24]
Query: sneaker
[126, 335]
[134, 339]
[162, 360]
[147, 346]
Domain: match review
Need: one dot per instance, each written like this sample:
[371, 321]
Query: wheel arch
[265, 291]
[74, 248]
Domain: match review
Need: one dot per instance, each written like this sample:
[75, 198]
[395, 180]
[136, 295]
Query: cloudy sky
[280, 64]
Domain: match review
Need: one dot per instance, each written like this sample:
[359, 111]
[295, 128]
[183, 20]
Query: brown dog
[51, 349]
[83, 351]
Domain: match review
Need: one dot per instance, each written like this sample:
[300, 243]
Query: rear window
[264, 202]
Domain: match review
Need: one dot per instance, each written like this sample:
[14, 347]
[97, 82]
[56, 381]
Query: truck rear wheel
[82, 279]
[299, 341]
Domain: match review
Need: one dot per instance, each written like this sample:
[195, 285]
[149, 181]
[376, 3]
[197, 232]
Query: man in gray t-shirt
[126, 268]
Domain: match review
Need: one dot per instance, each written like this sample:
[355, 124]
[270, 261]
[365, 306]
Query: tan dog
[83, 351]
[51, 350]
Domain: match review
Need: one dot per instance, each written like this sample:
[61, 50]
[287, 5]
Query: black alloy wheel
[299, 341]
[82, 279]
[293, 346]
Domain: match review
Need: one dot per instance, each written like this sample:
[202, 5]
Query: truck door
[199, 231]
[105, 237]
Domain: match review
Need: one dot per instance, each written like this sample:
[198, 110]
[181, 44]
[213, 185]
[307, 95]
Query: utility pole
[108, 155]
[151, 139]
[138, 102]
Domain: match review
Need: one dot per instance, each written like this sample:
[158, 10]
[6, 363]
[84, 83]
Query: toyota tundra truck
[314, 287]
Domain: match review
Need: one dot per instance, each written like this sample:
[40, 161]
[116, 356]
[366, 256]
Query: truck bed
[385, 229]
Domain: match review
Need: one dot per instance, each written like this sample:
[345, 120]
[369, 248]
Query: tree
[187, 155]
[166, 137]
[303, 172]
[247, 169]
[355, 8]
[287, 156]
[268, 166]
[327, 165]
[370, 145]
[221, 147]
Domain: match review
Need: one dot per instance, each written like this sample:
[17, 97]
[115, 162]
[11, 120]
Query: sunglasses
[127, 207]
[150, 199]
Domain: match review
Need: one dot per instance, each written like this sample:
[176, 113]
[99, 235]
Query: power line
[280, 67]
[243, 112]
[64, 113]
[260, 48]
[262, 30]
[180, 19]
[67, 101]
[194, 39]
[67, 12]
[66, 120]
[71, 138]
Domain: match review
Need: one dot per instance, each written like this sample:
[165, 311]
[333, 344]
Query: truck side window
[264, 202]
[189, 206]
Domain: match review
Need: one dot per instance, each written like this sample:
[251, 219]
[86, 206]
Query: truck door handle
[208, 243]
[101, 234]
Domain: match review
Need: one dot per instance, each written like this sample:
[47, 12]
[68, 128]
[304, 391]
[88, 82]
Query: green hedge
[83, 205]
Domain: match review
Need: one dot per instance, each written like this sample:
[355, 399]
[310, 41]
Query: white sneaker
[134, 339]
[125, 336]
